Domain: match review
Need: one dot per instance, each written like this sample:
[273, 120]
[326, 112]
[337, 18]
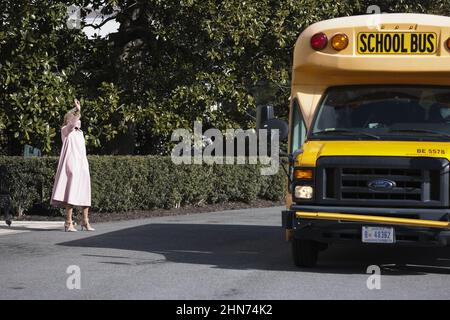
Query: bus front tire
[305, 252]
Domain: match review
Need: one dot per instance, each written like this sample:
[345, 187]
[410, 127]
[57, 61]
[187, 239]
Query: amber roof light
[339, 41]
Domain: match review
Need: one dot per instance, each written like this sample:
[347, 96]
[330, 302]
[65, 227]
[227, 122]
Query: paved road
[236, 254]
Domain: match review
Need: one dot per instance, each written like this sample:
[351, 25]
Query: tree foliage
[170, 63]
[40, 58]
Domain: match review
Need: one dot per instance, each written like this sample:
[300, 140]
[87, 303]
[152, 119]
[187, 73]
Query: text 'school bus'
[369, 134]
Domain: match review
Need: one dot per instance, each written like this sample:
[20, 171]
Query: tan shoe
[87, 226]
[68, 227]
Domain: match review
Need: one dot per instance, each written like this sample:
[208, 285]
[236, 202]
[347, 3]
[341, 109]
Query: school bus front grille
[408, 184]
[414, 183]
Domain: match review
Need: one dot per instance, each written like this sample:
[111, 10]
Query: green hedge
[125, 183]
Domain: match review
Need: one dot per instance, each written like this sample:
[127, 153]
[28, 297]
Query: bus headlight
[304, 192]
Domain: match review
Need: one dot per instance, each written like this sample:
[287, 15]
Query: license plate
[402, 43]
[377, 235]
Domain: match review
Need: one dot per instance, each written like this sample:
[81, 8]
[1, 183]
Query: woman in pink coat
[72, 185]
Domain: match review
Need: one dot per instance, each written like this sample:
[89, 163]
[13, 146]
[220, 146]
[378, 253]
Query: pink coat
[72, 180]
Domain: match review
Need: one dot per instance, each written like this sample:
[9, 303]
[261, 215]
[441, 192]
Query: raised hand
[77, 104]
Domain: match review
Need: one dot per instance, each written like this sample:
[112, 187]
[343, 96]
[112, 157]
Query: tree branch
[98, 26]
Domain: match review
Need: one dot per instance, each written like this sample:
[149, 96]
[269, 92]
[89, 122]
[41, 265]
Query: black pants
[5, 205]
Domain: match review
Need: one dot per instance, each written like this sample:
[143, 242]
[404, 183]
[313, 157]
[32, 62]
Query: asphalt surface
[239, 254]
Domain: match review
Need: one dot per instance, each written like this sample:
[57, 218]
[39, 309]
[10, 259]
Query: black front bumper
[337, 231]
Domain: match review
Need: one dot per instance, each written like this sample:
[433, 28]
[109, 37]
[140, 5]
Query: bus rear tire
[305, 252]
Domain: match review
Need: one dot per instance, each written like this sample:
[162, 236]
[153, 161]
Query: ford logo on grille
[381, 184]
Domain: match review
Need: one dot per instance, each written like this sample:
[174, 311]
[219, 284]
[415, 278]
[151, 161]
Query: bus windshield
[387, 112]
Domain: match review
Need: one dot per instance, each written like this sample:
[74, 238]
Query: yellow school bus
[369, 134]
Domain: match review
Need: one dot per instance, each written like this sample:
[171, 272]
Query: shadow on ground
[258, 247]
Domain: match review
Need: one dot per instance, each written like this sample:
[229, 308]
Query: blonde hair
[71, 113]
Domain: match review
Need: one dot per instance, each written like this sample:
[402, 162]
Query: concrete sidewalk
[27, 226]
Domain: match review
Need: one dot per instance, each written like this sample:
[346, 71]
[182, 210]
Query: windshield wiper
[345, 131]
[439, 133]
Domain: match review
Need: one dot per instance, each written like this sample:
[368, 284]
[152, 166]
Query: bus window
[386, 112]
[298, 129]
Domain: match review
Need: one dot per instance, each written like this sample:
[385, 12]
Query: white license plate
[378, 235]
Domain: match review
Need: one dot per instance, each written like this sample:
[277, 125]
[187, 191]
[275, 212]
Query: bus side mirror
[281, 125]
[263, 114]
